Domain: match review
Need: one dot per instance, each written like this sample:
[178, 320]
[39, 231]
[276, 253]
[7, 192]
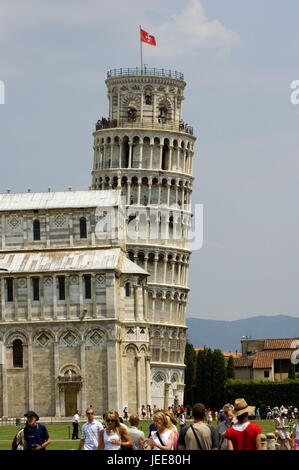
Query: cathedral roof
[64, 261]
[59, 200]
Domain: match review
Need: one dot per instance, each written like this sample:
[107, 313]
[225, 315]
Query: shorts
[283, 434]
[296, 444]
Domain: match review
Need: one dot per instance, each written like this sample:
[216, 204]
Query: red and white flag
[145, 37]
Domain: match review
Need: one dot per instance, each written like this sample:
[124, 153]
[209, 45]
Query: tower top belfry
[146, 97]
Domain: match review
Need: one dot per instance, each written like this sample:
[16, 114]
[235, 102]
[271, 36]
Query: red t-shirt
[243, 437]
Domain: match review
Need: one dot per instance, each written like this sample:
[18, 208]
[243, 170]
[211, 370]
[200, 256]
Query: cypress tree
[190, 362]
[218, 380]
[230, 370]
[200, 376]
[292, 372]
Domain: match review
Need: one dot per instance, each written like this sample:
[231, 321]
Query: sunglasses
[110, 420]
[90, 413]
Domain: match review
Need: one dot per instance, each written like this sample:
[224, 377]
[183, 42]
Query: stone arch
[12, 335]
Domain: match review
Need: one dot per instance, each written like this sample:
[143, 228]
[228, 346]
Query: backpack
[17, 441]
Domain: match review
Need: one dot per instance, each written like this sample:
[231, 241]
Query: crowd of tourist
[227, 429]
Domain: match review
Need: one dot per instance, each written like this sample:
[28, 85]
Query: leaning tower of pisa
[145, 149]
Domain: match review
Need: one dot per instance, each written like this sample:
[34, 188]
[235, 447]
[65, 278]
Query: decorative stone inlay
[48, 281]
[59, 220]
[95, 338]
[22, 282]
[158, 377]
[69, 340]
[14, 222]
[75, 280]
[101, 280]
[42, 340]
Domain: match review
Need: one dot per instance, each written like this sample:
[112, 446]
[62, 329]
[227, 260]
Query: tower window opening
[132, 113]
[83, 228]
[17, 353]
[36, 230]
[126, 151]
[35, 284]
[9, 287]
[165, 153]
[148, 99]
[127, 289]
[162, 117]
[87, 282]
[61, 287]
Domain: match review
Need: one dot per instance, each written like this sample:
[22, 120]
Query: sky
[239, 60]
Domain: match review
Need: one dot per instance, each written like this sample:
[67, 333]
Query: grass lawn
[61, 434]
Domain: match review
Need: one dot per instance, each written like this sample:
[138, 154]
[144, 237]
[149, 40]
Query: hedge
[263, 393]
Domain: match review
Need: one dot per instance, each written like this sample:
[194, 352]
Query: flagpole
[140, 48]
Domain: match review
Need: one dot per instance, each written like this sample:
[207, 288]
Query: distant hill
[226, 335]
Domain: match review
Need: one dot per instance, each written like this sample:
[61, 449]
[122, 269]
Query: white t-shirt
[76, 418]
[164, 438]
[296, 428]
[91, 434]
[108, 438]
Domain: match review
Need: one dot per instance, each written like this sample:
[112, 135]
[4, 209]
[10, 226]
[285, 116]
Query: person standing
[244, 435]
[137, 436]
[163, 438]
[36, 436]
[143, 412]
[198, 436]
[224, 425]
[282, 430]
[76, 424]
[90, 432]
[114, 436]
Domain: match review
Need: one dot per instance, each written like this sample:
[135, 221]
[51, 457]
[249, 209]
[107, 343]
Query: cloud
[185, 33]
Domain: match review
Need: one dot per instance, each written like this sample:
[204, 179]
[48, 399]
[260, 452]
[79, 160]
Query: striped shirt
[91, 434]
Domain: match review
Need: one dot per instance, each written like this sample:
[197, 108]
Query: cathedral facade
[94, 283]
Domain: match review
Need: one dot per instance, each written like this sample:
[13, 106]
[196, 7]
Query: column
[47, 231]
[68, 297]
[178, 159]
[155, 267]
[113, 374]
[139, 192]
[119, 155]
[148, 379]
[179, 272]
[30, 376]
[138, 384]
[161, 154]
[54, 296]
[128, 192]
[111, 154]
[56, 373]
[3, 299]
[94, 295]
[118, 107]
[104, 156]
[166, 396]
[4, 379]
[4, 231]
[149, 193]
[170, 158]
[140, 155]
[16, 306]
[172, 271]
[71, 230]
[170, 308]
[28, 298]
[165, 270]
[42, 298]
[151, 155]
[130, 154]
[145, 303]
[168, 193]
[83, 375]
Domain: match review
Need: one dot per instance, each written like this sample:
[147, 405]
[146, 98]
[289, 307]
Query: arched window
[17, 353]
[127, 289]
[83, 228]
[36, 229]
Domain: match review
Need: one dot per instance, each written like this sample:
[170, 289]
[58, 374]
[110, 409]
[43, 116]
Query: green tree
[230, 370]
[216, 395]
[200, 376]
[292, 372]
[190, 362]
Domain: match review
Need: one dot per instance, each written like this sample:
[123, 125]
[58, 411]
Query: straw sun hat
[241, 407]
